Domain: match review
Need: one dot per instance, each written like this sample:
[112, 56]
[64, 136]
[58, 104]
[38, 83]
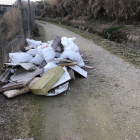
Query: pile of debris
[44, 69]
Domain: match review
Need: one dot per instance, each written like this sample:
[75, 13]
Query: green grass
[111, 30]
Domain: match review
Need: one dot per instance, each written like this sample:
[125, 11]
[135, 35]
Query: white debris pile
[44, 69]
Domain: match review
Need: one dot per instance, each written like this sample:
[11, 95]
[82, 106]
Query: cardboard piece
[47, 81]
[79, 70]
[56, 43]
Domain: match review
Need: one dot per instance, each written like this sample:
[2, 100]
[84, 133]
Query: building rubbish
[50, 76]
[46, 82]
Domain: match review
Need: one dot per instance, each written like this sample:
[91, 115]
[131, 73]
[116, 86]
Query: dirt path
[105, 106]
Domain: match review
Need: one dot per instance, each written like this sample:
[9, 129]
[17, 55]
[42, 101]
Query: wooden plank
[62, 60]
[79, 70]
[16, 85]
[4, 77]
[71, 73]
[67, 64]
[47, 81]
[26, 66]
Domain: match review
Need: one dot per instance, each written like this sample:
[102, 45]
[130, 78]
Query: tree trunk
[29, 18]
[21, 23]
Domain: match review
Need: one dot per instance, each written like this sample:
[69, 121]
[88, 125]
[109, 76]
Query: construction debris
[79, 70]
[46, 69]
[46, 82]
[4, 77]
[13, 93]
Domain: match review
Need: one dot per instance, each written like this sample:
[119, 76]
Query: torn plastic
[59, 90]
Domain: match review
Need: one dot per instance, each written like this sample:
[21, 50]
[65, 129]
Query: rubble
[44, 69]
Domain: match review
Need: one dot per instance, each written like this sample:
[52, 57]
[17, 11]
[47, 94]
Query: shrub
[11, 23]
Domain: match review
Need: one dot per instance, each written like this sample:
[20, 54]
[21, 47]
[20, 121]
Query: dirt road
[105, 106]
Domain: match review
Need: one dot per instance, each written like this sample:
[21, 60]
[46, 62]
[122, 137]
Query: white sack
[32, 52]
[20, 57]
[37, 60]
[13, 93]
[49, 66]
[74, 56]
[57, 54]
[69, 44]
[33, 42]
[46, 51]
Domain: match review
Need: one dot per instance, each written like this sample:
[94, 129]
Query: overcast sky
[9, 2]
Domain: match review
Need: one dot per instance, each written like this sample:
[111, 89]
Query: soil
[103, 106]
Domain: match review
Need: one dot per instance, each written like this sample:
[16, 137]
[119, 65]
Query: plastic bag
[69, 44]
[49, 66]
[46, 52]
[32, 52]
[74, 56]
[20, 57]
[37, 60]
[33, 42]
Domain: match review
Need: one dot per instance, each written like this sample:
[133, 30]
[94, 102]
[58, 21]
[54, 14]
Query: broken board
[23, 74]
[4, 77]
[15, 85]
[46, 82]
[67, 64]
[79, 70]
[26, 66]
